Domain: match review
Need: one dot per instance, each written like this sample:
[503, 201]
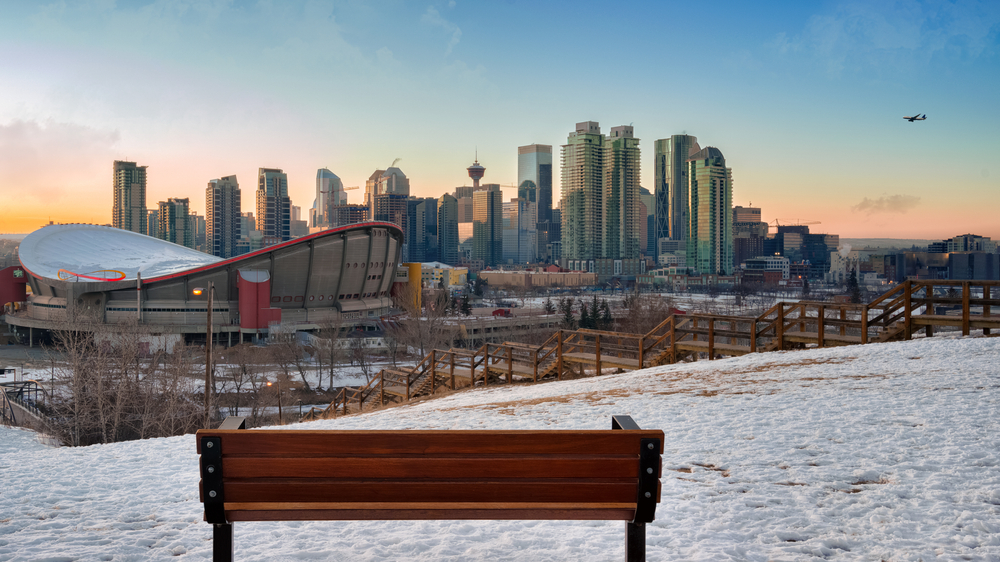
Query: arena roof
[87, 252]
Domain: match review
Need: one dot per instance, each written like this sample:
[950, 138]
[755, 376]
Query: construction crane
[796, 222]
[352, 187]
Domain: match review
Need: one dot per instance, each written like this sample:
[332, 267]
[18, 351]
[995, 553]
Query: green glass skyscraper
[710, 239]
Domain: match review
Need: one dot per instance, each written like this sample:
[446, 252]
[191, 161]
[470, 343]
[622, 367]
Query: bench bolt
[648, 445]
[211, 494]
[648, 470]
[210, 444]
[648, 495]
[211, 469]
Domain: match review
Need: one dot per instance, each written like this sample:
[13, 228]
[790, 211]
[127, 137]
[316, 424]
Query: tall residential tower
[274, 207]
[582, 198]
[222, 217]
[129, 184]
[710, 238]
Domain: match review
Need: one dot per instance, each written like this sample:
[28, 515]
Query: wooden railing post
[451, 368]
[534, 362]
[966, 306]
[486, 365]
[753, 335]
[673, 338]
[559, 355]
[510, 365]
[642, 350]
[381, 387]
[907, 309]
[780, 328]
[433, 368]
[597, 352]
[843, 318]
[711, 339]
[864, 323]
[986, 307]
[821, 316]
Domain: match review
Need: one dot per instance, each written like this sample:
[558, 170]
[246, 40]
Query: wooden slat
[309, 490]
[722, 348]
[610, 361]
[281, 443]
[397, 511]
[434, 467]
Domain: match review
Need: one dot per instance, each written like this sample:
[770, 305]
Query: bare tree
[360, 355]
[113, 389]
[328, 348]
[429, 328]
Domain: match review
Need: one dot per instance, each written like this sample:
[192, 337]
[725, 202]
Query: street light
[198, 291]
[278, 385]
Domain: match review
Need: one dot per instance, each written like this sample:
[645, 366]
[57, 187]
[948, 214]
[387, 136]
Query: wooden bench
[277, 475]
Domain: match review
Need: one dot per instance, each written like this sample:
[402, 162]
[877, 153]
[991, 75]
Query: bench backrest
[278, 475]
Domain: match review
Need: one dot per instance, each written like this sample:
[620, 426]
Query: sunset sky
[805, 100]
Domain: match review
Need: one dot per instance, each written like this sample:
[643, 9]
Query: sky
[805, 99]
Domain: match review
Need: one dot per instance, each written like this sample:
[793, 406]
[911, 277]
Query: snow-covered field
[879, 452]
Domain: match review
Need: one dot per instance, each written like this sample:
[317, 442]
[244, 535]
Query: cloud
[887, 204]
[433, 17]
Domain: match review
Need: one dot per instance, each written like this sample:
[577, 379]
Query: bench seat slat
[305, 490]
[373, 511]
[389, 442]
[435, 467]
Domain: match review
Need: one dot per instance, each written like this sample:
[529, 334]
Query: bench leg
[222, 542]
[635, 542]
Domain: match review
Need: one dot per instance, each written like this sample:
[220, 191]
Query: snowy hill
[877, 452]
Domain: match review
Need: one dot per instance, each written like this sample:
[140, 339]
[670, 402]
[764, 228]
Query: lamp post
[208, 351]
[278, 386]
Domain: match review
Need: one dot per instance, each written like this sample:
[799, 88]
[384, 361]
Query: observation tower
[476, 172]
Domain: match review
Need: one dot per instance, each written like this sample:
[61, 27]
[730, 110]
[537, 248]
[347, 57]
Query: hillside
[877, 452]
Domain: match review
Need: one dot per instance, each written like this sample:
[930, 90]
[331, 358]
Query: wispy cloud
[434, 18]
[887, 204]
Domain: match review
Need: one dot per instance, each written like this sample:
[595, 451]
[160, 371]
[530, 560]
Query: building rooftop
[87, 252]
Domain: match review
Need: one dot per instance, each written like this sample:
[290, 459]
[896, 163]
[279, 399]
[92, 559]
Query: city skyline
[807, 102]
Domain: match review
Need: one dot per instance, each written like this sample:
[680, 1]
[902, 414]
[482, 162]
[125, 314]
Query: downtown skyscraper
[222, 217]
[534, 164]
[274, 207]
[487, 225]
[175, 222]
[710, 233]
[329, 195]
[129, 186]
[622, 224]
[447, 225]
[600, 195]
[670, 187]
[582, 201]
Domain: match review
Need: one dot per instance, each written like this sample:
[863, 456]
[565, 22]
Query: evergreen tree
[549, 307]
[805, 287]
[595, 312]
[853, 289]
[585, 320]
[466, 306]
[606, 320]
[566, 307]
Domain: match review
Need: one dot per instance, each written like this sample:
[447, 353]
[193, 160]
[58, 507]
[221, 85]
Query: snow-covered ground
[879, 452]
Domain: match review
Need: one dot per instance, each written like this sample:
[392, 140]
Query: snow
[877, 452]
[86, 248]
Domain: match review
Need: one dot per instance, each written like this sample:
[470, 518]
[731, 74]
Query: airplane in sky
[917, 117]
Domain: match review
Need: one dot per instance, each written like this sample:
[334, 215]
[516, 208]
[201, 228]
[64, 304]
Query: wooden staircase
[894, 315]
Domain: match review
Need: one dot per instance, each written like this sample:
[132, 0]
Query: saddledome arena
[119, 278]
